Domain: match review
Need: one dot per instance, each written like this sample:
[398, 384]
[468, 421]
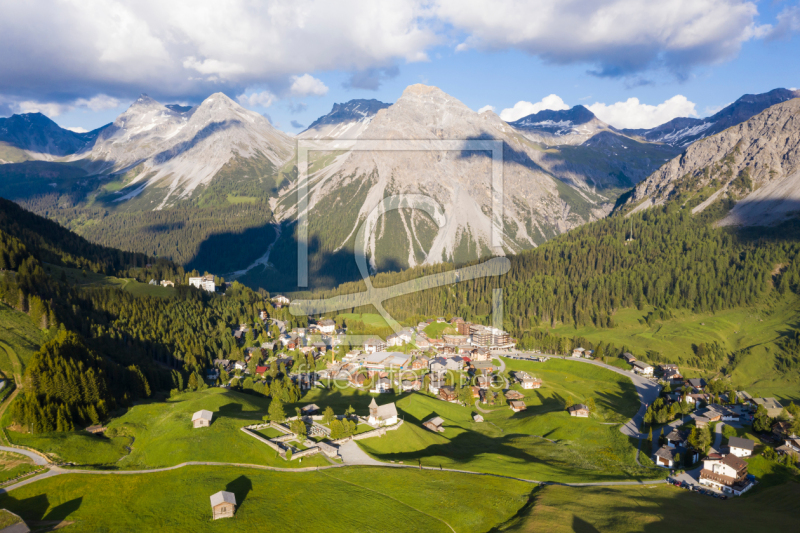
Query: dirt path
[17, 372]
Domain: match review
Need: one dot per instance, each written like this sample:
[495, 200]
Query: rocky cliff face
[351, 188]
[174, 150]
[345, 121]
[756, 164]
[682, 132]
[554, 128]
[32, 136]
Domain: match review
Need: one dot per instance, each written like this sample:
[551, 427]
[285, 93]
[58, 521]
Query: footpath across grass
[335, 500]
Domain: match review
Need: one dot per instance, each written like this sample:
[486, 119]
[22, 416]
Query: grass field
[92, 279]
[14, 464]
[435, 329]
[542, 443]
[335, 500]
[755, 328]
[19, 337]
[161, 434]
[654, 509]
[369, 319]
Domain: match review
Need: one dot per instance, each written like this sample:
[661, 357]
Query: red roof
[261, 369]
[465, 358]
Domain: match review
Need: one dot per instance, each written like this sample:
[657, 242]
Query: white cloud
[307, 85]
[50, 109]
[634, 114]
[788, 23]
[260, 99]
[193, 47]
[619, 36]
[76, 129]
[486, 108]
[100, 102]
[523, 108]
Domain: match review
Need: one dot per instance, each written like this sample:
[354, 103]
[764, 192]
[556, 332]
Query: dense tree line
[217, 239]
[68, 385]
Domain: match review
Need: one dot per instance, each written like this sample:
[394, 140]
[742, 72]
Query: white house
[327, 326]
[643, 369]
[578, 352]
[740, 447]
[223, 504]
[280, 300]
[381, 386]
[384, 415]
[373, 345]
[204, 282]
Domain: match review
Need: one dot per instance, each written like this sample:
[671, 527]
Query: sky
[634, 63]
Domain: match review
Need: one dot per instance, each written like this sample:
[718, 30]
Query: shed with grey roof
[202, 419]
[223, 504]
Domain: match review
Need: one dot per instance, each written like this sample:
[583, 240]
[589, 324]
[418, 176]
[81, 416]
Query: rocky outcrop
[755, 163]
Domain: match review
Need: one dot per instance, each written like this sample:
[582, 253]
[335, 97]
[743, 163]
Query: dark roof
[734, 462]
[697, 383]
[739, 442]
[678, 435]
[666, 452]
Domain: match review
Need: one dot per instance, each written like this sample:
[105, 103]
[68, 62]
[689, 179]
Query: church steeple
[373, 409]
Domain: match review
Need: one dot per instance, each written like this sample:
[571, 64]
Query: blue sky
[293, 60]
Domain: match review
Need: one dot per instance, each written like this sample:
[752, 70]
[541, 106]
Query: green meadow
[654, 509]
[542, 443]
[754, 329]
[334, 500]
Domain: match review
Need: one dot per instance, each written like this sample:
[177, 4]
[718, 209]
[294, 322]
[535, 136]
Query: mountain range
[214, 186]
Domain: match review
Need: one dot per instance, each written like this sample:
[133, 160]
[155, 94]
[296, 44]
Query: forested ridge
[109, 347]
[663, 257]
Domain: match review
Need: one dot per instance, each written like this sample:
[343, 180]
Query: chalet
[447, 393]
[476, 392]
[422, 342]
[321, 347]
[384, 415]
[438, 365]
[772, 406]
[409, 385]
[435, 424]
[579, 410]
[223, 504]
[517, 405]
[456, 320]
[728, 474]
[268, 346]
[513, 395]
[666, 456]
[381, 386]
[483, 382]
[455, 340]
[358, 380]
[310, 409]
[454, 363]
[740, 447]
[440, 320]
[782, 429]
[643, 369]
[261, 369]
[629, 358]
[677, 438]
[374, 344]
[95, 429]
[578, 352]
[435, 386]
[485, 367]
[202, 419]
[280, 300]
[240, 365]
[447, 349]
[167, 283]
[790, 446]
[481, 354]
[420, 363]
[697, 384]
[477, 418]
[710, 413]
[326, 326]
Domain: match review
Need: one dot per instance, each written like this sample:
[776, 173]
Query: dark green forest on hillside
[126, 346]
[663, 257]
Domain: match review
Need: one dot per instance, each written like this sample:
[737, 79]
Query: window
[224, 509]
